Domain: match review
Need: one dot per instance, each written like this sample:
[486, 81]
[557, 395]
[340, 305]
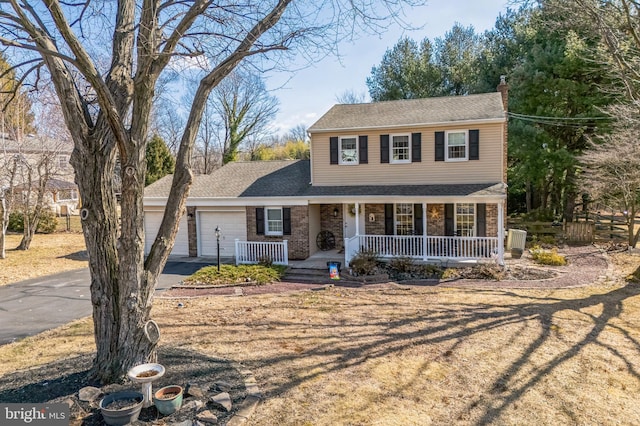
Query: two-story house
[424, 178]
[23, 162]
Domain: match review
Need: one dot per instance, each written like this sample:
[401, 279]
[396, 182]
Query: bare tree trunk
[120, 291]
[4, 222]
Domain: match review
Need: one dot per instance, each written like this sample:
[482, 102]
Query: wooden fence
[588, 228]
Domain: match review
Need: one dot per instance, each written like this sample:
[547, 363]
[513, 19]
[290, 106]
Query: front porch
[426, 248]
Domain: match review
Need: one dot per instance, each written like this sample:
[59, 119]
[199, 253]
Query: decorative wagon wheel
[325, 240]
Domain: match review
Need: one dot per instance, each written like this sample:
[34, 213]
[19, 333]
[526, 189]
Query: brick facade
[435, 219]
[192, 231]
[377, 226]
[298, 241]
[332, 222]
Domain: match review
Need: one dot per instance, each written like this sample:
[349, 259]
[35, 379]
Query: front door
[350, 220]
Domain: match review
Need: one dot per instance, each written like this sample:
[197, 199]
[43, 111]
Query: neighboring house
[424, 178]
[61, 192]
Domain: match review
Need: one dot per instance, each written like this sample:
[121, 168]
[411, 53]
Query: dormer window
[348, 149]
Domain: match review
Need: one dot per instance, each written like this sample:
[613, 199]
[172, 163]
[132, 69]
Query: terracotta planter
[121, 416]
[168, 399]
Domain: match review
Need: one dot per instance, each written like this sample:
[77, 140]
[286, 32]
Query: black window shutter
[259, 220]
[416, 147]
[286, 221]
[384, 149]
[474, 144]
[449, 231]
[388, 219]
[439, 146]
[333, 150]
[363, 145]
[481, 220]
[417, 219]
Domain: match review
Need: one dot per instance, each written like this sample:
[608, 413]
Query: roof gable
[412, 112]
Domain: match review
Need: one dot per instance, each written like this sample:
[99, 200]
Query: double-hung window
[348, 150]
[400, 149]
[404, 219]
[457, 148]
[273, 221]
[465, 220]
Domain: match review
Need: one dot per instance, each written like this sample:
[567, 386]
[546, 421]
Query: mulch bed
[61, 381]
[584, 265]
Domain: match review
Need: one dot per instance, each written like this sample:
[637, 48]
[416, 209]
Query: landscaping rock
[195, 391]
[89, 394]
[182, 423]
[194, 405]
[222, 400]
[207, 417]
[223, 386]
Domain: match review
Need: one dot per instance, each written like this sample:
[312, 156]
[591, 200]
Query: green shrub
[47, 224]
[16, 222]
[402, 264]
[428, 271]
[547, 257]
[365, 262]
[231, 274]
[451, 273]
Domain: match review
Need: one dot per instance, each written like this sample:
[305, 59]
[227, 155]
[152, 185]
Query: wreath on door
[351, 208]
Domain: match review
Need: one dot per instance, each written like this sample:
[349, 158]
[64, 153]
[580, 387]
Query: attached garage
[232, 223]
[152, 219]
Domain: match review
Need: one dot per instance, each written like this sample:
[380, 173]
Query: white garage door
[152, 221]
[232, 225]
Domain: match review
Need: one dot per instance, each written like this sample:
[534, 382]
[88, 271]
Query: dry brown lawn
[411, 355]
[49, 253]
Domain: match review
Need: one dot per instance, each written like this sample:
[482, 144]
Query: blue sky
[306, 95]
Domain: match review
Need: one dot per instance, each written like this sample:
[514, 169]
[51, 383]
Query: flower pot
[121, 408]
[516, 253]
[168, 399]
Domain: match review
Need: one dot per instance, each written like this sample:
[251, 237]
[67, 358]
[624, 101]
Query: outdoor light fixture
[335, 212]
[218, 231]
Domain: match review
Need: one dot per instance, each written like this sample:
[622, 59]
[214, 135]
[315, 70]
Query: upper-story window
[400, 149]
[457, 146]
[348, 150]
[63, 162]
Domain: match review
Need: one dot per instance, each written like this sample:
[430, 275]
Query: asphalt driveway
[32, 306]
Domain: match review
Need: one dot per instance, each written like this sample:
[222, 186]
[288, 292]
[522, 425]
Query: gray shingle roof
[412, 112]
[260, 179]
[245, 179]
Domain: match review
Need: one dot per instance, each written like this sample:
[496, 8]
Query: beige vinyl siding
[487, 169]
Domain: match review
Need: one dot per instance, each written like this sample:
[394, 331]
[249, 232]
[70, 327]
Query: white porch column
[357, 218]
[424, 231]
[501, 232]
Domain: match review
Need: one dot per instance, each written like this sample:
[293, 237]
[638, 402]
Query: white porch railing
[422, 247]
[251, 252]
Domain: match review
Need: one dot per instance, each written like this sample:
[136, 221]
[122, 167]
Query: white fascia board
[403, 199]
[414, 125]
[231, 202]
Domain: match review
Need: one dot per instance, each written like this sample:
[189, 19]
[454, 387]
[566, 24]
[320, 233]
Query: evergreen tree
[16, 118]
[407, 71]
[556, 103]
[160, 162]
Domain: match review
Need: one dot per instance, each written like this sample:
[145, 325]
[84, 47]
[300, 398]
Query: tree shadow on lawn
[464, 320]
[60, 381]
